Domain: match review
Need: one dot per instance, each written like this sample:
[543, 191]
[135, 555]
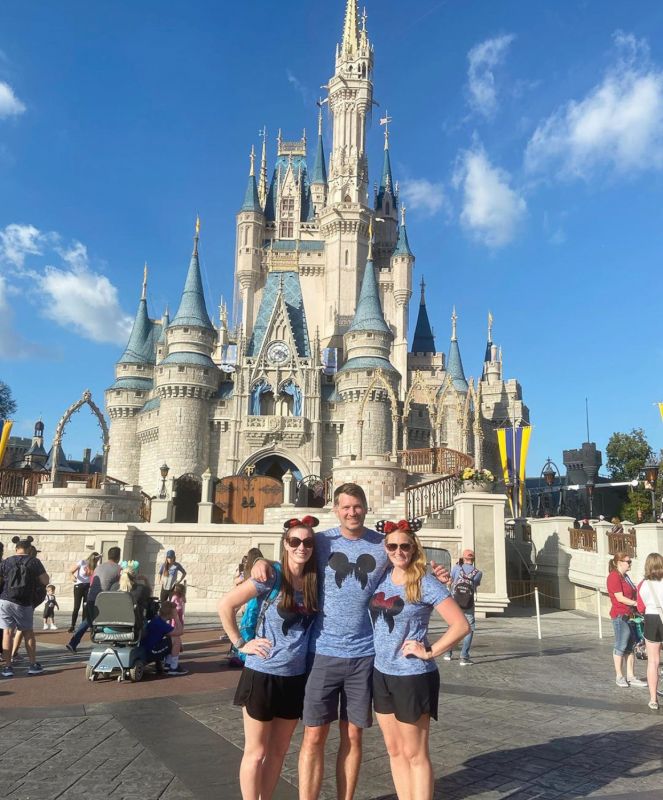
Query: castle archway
[188, 493]
[86, 399]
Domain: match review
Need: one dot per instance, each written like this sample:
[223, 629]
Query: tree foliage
[627, 454]
[7, 402]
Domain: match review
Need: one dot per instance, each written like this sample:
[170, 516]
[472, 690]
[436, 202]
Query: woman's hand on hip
[411, 647]
[257, 647]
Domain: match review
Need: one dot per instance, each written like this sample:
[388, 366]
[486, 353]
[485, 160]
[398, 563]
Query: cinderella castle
[317, 378]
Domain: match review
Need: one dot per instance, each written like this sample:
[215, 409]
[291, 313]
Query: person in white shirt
[650, 601]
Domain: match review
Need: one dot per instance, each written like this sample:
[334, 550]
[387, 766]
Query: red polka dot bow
[407, 525]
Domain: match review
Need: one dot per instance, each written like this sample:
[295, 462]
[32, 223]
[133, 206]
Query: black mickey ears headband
[307, 522]
[386, 526]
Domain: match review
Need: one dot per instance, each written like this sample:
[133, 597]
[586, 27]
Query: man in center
[351, 561]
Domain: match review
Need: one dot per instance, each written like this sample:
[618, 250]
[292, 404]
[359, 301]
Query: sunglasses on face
[404, 546]
[626, 561]
[295, 541]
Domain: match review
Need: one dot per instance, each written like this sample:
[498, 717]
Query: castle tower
[319, 174]
[369, 422]
[345, 220]
[492, 363]
[250, 235]
[36, 456]
[386, 205]
[402, 263]
[187, 379]
[134, 374]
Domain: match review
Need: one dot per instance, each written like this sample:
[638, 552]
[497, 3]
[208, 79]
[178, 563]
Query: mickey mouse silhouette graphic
[342, 568]
[292, 617]
[385, 607]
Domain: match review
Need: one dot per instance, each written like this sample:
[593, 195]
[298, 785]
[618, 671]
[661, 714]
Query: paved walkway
[529, 720]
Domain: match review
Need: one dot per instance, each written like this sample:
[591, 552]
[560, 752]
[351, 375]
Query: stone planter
[476, 486]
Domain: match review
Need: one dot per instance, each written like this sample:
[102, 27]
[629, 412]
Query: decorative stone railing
[583, 539]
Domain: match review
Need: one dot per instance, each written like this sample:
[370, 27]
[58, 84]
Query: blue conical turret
[140, 347]
[192, 310]
[402, 244]
[424, 341]
[251, 198]
[368, 315]
[455, 362]
[319, 167]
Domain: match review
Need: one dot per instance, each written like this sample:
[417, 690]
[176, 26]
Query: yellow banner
[660, 409]
[5, 429]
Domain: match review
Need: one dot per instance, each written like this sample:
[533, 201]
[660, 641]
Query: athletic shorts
[407, 697]
[14, 616]
[266, 696]
[653, 628]
[339, 682]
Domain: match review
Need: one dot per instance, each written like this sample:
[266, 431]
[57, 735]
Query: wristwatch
[239, 643]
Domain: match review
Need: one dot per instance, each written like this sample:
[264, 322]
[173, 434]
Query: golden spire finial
[144, 293]
[454, 319]
[262, 184]
[370, 239]
[320, 117]
[197, 236]
[403, 214]
[490, 327]
[252, 159]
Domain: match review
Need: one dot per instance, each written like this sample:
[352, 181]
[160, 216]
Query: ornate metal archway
[86, 399]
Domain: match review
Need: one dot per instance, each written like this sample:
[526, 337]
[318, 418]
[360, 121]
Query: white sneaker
[637, 682]
[46, 626]
[446, 657]
[622, 682]
[54, 627]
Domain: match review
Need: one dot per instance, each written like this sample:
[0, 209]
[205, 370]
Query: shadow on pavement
[567, 767]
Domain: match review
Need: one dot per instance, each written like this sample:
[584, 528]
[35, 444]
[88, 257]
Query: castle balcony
[291, 431]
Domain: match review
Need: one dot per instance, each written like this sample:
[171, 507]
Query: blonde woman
[650, 602]
[406, 681]
[271, 686]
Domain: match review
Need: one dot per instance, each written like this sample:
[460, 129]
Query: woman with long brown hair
[623, 599]
[650, 602]
[406, 681]
[271, 687]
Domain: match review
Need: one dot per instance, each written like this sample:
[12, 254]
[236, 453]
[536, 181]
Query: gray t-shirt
[288, 631]
[395, 620]
[348, 572]
[105, 575]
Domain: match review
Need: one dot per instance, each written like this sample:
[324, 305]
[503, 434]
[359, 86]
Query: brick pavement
[530, 720]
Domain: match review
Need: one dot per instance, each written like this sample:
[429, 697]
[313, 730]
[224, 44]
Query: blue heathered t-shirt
[288, 631]
[395, 620]
[348, 572]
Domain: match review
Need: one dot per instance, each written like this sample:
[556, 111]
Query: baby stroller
[116, 632]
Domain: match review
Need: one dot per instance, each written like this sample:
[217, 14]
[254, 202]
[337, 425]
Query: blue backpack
[254, 613]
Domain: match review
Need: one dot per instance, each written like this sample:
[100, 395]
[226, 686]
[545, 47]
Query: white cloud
[10, 105]
[73, 295]
[483, 59]
[492, 210]
[299, 87]
[618, 124]
[423, 195]
[86, 302]
[19, 241]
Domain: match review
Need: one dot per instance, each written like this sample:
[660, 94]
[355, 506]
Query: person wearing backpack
[271, 686]
[465, 579]
[23, 582]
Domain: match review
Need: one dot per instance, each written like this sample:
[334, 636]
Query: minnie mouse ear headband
[307, 522]
[131, 566]
[22, 543]
[411, 525]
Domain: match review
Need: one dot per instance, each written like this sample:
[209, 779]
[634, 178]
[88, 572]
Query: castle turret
[424, 341]
[319, 174]
[250, 236]
[134, 374]
[402, 264]
[455, 362]
[35, 457]
[386, 201]
[187, 379]
[367, 348]
[492, 364]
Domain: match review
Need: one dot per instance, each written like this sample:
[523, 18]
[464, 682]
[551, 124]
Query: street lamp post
[164, 470]
[590, 494]
[651, 477]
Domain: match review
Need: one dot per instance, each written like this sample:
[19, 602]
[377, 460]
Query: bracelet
[239, 643]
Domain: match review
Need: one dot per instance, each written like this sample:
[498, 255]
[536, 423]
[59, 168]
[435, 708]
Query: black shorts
[266, 696]
[653, 628]
[407, 697]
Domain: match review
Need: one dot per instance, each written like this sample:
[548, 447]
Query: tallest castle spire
[350, 43]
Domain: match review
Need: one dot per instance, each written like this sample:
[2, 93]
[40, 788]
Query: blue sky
[527, 139]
